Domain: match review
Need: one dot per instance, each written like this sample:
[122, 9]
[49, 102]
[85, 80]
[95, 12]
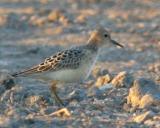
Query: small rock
[64, 20]
[33, 50]
[6, 80]
[44, 1]
[64, 112]
[157, 78]
[149, 122]
[102, 80]
[99, 72]
[144, 93]
[99, 92]
[58, 16]
[156, 117]
[126, 107]
[32, 100]
[4, 121]
[54, 31]
[154, 67]
[81, 19]
[10, 111]
[89, 83]
[38, 21]
[123, 79]
[54, 15]
[144, 116]
[16, 22]
[103, 89]
[146, 100]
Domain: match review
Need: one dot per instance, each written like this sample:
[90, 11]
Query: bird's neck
[93, 47]
[93, 44]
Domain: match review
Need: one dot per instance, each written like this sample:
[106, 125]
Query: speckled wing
[67, 59]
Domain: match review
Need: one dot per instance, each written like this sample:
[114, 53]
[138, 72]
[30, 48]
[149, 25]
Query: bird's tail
[25, 72]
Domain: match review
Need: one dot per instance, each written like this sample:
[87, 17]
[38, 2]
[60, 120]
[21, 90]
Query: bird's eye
[105, 35]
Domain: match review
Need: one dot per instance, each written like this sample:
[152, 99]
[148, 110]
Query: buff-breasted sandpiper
[71, 65]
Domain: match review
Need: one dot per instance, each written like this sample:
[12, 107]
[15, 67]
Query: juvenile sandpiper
[71, 65]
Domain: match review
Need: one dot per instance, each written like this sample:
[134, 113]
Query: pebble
[144, 116]
[38, 21]
[81, 19]
[143, 94]
[123, 79]
[98, 71]
[64, 112]
[102, 80]
[54, 15]
[6, 80]
[16, 22]
[78, 95]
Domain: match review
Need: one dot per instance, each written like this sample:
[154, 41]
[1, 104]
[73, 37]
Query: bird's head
[101, 37]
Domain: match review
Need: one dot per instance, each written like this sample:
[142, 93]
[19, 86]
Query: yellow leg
[54, 93]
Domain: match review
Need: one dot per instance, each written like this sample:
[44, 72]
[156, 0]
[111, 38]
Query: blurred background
[27, 27]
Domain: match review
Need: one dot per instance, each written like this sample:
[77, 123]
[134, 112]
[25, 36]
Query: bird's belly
[67, 75]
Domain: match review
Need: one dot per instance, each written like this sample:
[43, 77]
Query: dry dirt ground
[31, 30]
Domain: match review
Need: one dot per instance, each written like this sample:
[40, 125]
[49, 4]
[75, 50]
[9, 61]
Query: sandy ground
[31, 30]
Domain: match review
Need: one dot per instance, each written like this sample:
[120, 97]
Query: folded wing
[66, 59]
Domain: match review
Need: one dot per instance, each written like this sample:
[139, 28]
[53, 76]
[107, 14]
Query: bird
[71, 65]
